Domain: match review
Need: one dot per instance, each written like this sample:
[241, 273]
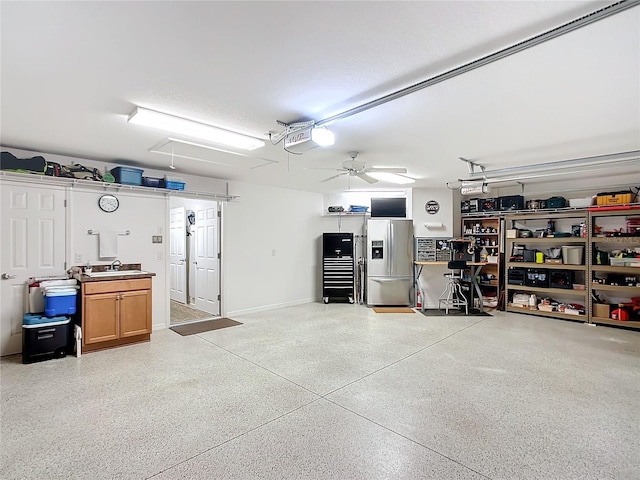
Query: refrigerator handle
[391, 247]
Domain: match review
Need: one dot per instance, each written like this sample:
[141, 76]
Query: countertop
[82, 278]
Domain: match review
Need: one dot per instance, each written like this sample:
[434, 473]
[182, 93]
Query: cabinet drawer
[90, 288]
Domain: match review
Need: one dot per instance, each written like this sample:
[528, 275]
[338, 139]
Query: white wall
[432, 279]
[143, 216]
[270, 248]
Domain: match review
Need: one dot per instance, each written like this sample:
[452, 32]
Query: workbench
[474, 268]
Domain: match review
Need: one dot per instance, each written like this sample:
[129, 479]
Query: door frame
[221, 275]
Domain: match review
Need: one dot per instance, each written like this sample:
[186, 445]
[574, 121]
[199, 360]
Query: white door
[177, 255]
[33, 245]
[206, 262]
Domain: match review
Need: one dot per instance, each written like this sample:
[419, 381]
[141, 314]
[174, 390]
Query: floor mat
[454, 312]
[393, 310]
[206, 326]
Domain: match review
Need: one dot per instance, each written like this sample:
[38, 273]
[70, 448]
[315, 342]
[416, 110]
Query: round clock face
[432, 207]
[108, 203]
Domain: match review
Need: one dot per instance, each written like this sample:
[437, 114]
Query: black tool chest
[337, 267]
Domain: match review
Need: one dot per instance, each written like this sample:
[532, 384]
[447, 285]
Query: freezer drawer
[389, 290]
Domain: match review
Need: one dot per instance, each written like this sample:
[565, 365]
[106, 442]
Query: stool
[453, 295]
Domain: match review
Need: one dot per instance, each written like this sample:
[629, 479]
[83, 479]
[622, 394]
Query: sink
[115, 273]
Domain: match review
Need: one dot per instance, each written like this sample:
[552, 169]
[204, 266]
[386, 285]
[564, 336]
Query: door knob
[6, 276]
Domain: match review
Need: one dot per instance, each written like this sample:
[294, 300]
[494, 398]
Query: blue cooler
[45, 338]
[60, 303]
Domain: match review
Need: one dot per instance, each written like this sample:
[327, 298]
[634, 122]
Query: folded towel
[108, 244]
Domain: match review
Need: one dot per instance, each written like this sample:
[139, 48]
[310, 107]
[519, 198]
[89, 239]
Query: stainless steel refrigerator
[389, 262]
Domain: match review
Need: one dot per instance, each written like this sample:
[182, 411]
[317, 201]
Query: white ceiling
[73, 71]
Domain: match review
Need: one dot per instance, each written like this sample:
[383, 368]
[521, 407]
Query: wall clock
[108, 203]
[432, 207]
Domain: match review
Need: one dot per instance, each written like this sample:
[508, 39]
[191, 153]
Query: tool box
[613, 198]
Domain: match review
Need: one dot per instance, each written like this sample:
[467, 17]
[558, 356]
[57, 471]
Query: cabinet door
[135, 313]
[100, 318]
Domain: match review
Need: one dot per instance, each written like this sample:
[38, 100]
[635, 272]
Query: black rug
[207, 326]
[454, 312]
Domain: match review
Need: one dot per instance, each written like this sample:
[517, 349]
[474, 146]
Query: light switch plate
[156, 239]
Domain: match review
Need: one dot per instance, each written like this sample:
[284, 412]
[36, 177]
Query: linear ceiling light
[182, 126]
[391, 177]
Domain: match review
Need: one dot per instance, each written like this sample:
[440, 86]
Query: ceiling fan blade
[387, 170]
[334, 176]
[367, 178]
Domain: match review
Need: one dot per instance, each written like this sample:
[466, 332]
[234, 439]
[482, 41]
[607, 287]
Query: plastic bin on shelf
[127, 175]
[153, 182]
[170, 185]
[572, 255]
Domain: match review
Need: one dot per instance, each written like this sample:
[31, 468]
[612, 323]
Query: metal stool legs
[453, 297]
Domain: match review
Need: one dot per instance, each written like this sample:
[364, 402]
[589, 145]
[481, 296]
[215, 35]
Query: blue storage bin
[127, 175]
[174, 185]
[59, 305]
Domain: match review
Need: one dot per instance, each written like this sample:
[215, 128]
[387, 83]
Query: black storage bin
[537, 277]
[516, 275]
[488, 205]
[528, 255]
[556, 202]
[45, 341]
[465, 206]
[561, 279]
[511, 202]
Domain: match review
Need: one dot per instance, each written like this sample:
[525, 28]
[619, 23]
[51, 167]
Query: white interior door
[33, 245]
[177, 255]
[206, 261]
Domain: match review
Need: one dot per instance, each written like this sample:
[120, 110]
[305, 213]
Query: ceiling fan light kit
[357, 168]
[182, 126]
[391, 177]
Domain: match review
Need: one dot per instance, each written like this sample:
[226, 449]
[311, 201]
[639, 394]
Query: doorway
[194, 260]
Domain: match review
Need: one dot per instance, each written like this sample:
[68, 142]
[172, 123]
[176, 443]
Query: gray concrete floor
[334, 392]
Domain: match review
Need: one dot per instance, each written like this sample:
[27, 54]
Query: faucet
[115, 265]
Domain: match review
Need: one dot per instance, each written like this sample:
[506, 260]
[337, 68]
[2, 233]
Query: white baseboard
[273, 306]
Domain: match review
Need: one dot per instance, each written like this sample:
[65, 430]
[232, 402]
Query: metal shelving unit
[571, 295]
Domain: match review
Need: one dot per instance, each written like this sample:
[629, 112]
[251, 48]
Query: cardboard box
[602, 310]
[512, 233]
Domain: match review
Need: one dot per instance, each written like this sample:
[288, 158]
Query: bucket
[572, 255]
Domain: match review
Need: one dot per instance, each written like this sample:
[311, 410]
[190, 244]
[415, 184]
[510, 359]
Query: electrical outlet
[79, 258]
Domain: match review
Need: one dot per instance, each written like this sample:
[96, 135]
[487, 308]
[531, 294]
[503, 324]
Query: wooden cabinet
[614, 279]
[486, 237]
[115, 312]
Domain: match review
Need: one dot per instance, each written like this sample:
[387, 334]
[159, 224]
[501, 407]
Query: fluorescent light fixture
[391, 177]
[322, 136]
[182, 126]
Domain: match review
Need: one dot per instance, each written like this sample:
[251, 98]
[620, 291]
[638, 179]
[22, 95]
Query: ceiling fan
[357, 168]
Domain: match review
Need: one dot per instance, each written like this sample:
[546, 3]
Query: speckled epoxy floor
[334, 392]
